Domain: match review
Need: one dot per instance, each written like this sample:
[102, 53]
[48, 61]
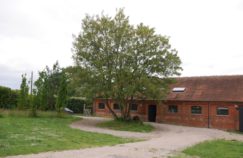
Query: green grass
[24, 135]
[133, 126]
[214, 149]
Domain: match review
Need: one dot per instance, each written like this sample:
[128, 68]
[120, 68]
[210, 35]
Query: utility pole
[33, 107]
[31, 83]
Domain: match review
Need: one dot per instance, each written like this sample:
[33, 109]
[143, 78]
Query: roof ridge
[238, 75]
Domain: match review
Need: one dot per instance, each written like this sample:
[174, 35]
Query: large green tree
[122, 61]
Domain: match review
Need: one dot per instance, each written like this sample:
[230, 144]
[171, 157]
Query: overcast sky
[208, 34]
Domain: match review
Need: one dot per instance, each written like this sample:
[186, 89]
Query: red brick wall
[184, 115]
[141, 111]
[230, 121]
[208, 118]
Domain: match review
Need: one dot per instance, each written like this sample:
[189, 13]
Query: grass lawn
[215, 149]
[24, 135]
[132, 126]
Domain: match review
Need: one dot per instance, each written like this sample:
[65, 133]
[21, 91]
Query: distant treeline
[53, 84]
[8, 98]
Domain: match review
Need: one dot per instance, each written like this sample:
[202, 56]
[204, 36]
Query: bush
[8, 98]
[137, 119]
[76, 105]
[1, 115]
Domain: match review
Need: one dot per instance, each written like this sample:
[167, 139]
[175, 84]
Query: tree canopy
[122, 61]
[23, 101]
[46, 87]
[62, 93]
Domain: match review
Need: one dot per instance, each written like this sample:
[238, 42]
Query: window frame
[119, 108]
[171, 111]
[194, 109]
[178, 89]
[131, 105]
[222, 108]
[100, 104]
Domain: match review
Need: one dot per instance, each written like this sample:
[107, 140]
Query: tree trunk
[109, 107]
[126, 111]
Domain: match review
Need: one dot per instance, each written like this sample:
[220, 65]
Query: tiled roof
[208, 88]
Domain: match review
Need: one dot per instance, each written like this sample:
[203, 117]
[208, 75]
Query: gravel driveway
[164, 141]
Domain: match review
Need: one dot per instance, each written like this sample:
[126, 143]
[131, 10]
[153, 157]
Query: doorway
[241, 118]
[152, 113]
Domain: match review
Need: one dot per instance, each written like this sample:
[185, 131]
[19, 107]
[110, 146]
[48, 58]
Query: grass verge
[214, 149]
[25, 135]
[133, 126]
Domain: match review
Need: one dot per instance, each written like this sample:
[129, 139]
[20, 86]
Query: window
[116, 106]
[222, 111]
[134, 107]
[196, 110]
[173, 108]
[178, 89]
[101, 105]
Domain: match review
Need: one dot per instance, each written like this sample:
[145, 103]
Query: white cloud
[207, 34]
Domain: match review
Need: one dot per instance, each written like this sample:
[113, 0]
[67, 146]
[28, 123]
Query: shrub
[8, 98]
[1, 115]
[17, 113]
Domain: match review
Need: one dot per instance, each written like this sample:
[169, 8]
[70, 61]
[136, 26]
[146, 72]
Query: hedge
[76, 105]
[8, 98]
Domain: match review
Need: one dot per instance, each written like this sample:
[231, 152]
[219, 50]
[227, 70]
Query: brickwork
[208, 117]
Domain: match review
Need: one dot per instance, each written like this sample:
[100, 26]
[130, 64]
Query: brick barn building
[211, 102]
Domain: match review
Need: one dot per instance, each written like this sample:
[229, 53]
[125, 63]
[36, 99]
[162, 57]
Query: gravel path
[164, 141]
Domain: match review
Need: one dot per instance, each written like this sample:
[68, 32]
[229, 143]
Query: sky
[208, 34]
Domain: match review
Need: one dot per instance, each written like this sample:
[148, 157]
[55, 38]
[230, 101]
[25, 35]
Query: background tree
[62, 93]
[33, 112]
[122, 61]
[77, 86]
[23, 95]
[74, 76]
[41, 84]
[47, 87]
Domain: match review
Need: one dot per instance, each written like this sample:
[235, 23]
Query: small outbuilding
[208, 101]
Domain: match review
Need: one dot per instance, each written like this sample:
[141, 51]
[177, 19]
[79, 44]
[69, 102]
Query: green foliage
[120, 61]
[33, 135]
[121, 125]
[23, 102]
[215, 149]
[74, 83]
[1, 113]
[77, 86]
[8, 98]
[76, 104]
[25, 113]
[62, 93]
[47, 87]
